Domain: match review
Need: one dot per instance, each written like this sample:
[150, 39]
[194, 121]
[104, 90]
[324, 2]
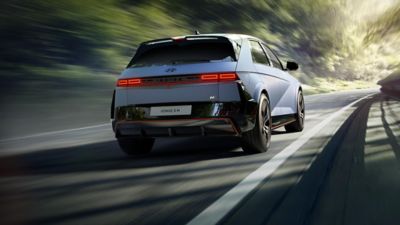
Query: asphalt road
[347, 172]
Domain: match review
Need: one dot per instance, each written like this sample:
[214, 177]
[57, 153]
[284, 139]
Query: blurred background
[60, 59]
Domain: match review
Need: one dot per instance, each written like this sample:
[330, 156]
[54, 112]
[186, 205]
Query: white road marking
[220, 208]
[55, 132]
[309, 117]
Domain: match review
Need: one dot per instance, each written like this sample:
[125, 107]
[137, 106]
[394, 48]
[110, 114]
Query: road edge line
[53, 132]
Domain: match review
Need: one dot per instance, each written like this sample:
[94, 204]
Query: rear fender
[258, 91]
[251, 108]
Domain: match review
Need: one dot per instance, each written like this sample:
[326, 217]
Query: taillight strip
[207, 77]
[228, 76]
[201, 78]
[135, 81]
[122, 83]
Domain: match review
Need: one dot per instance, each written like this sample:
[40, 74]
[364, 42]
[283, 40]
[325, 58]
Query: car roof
[225, 35]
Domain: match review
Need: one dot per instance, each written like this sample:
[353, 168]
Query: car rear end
[185, 86]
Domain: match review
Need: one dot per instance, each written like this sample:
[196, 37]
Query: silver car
[205, 85]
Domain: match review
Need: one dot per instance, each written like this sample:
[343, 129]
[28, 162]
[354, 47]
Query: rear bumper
[176, 128]
[206, 119]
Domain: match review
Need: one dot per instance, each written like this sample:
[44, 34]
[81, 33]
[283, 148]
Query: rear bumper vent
[176, 128]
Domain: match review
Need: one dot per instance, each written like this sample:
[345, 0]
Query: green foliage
[59, 59]
[327, 37]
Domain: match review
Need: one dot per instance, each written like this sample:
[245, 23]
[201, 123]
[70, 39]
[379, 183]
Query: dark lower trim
[173, 128]
[112, 106]
[280, 121]
[241, 114]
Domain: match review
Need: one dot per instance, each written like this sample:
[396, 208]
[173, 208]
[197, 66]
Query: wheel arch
[265, 92]
[258, 91]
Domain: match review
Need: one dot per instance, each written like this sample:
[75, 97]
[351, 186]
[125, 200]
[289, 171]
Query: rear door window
[258, 53]
[274, 59]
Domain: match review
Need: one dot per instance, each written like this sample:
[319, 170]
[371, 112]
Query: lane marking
[226, 203]
[55, 132]
[312, 116]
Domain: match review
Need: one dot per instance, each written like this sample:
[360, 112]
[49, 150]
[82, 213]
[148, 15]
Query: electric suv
[205, 85]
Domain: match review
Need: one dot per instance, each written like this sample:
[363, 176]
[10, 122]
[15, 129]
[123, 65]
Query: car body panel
[277, 83]
[170, 70]
[175, 93]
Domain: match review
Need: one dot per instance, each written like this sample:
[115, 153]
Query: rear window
[183, 52]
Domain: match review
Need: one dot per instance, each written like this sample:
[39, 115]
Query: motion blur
[58, 55]
[60, 162]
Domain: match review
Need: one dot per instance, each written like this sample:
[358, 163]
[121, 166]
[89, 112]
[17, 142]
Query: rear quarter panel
[281, 87]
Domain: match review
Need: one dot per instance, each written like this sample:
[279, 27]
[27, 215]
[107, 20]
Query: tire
[136, 146]
[298, 125]
[258, 139]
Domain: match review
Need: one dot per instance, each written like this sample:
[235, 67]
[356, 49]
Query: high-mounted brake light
[179, 39]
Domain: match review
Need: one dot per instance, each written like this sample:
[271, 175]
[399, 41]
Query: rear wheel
[136, 146]
[259, 139]
[298, 125]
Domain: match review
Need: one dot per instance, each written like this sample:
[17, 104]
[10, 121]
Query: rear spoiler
[189, 37]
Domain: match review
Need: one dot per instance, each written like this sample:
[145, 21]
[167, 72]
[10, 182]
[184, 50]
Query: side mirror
[292, 66]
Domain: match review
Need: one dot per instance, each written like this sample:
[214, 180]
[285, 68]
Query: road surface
[344, 168]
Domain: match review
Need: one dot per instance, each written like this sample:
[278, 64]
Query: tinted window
[184, 52]
[274, 59]
[258, 53]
